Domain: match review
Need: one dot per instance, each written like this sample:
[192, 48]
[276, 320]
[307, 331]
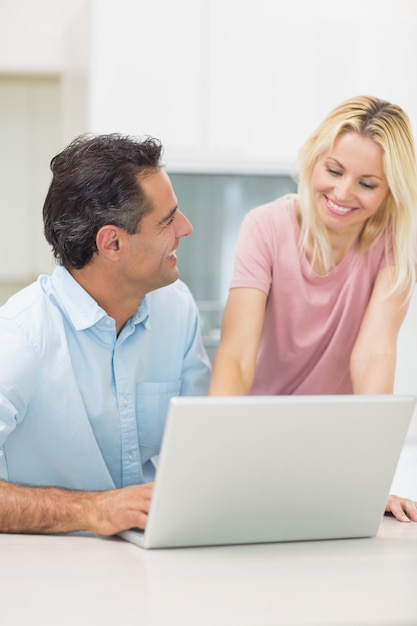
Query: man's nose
[183, 224]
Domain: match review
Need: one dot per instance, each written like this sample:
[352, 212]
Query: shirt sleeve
[252, 266]
[18, 379]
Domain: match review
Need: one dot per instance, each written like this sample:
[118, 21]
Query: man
[91, 355]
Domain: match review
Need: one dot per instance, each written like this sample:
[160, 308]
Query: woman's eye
[368, 186]
[333, 171]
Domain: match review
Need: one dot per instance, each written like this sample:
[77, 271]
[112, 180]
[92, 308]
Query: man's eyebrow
[166, 219]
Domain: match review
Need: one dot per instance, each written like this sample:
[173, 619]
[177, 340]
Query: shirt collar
[80, 308]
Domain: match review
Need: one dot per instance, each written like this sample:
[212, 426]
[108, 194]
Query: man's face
[149, 260]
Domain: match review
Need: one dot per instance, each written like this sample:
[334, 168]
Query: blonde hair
[396, 219]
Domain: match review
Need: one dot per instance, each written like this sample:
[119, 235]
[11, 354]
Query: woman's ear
[107, 241]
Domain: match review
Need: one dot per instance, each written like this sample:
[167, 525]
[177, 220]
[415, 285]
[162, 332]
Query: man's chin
[168, 280]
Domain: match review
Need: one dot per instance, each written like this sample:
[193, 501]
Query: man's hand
[404, 509]
[120, 509]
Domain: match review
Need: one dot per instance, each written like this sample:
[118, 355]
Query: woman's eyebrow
[330, 158]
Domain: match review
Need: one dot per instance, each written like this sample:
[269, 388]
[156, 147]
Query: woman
[323, 279]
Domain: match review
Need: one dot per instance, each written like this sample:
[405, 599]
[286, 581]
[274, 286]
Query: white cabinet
[256, 114]
[145, 71]
[239, 84]
[275, 68]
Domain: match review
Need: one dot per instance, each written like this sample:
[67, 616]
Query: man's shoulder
[21, 301]
[29, 308]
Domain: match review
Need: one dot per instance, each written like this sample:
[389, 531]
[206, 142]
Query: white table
[85, 580]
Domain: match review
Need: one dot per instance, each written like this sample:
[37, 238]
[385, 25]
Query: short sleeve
[253, 266]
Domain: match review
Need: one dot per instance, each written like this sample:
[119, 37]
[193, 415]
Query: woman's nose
[343, 190]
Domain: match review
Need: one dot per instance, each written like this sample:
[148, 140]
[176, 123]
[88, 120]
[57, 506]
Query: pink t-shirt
[311, 321]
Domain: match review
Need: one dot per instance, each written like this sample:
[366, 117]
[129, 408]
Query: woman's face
[349, 183]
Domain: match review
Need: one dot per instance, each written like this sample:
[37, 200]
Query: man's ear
[107, 241]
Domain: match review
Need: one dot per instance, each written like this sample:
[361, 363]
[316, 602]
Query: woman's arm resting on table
[41, 510]
[373, 358]
[235, 359]
[403, 509]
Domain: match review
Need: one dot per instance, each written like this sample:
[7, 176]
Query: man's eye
[171, 220]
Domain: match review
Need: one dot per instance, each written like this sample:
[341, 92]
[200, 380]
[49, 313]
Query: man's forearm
[43, 509]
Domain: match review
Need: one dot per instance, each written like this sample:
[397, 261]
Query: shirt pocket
[152, 402]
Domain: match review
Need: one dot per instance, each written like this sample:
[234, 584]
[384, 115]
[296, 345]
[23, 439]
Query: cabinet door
[240, 84]
[259, 111]
[277, 67]
[145, 74]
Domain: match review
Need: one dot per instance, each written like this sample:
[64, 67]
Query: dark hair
[96, 181]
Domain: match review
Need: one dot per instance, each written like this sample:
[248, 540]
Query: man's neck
[109, 294]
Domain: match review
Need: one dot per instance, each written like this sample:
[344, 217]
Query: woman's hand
[404, 509]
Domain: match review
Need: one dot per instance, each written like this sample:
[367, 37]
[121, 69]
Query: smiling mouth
[172, 255]
[337, 208]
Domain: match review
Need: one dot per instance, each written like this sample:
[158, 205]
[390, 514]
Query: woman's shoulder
[281, 208]
[281, 212]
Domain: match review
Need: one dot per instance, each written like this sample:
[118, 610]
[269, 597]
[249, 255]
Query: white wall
[32, 34]
[33, 38]
[29, 131]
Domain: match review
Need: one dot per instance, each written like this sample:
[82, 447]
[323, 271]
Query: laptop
[258, 469]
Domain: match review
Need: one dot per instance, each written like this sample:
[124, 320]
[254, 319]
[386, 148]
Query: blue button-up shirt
[81, 407]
